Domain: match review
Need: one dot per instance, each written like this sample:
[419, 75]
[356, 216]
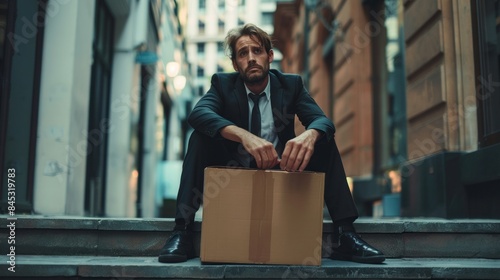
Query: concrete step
[112, 267]
[396, 237]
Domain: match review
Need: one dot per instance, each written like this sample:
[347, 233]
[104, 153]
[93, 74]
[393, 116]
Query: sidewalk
[118, 248]
[149, 268]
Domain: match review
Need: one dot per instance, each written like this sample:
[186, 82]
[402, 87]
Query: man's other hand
[298, 151]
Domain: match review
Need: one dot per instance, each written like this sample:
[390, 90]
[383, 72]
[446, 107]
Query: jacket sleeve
[309, 113]
[206, 115]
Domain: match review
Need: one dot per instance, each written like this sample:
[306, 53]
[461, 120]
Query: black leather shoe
[178, 248]
[351, 247]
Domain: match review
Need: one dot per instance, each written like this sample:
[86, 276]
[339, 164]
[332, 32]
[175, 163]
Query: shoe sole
[173, 258]
[369, 260]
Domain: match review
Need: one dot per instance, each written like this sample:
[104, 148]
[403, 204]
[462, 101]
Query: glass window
[395, 145]
[99, 107]
[201, 49]
[201, 27]
[488, 94]
[267, 18]
[220, 48]
[202, 4]
[200, 72]
[221, 26]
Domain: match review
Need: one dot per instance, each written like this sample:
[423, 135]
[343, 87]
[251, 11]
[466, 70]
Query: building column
[60, 162]
[150, 154]
[125, 88]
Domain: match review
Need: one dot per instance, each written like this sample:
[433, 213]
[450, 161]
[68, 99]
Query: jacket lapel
[277, 102]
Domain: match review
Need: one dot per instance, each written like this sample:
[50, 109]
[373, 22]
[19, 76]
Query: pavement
[114, 267]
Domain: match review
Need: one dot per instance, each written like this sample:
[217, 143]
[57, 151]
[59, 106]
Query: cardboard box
[262, 216]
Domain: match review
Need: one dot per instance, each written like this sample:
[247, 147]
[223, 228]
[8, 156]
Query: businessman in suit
[247, 119]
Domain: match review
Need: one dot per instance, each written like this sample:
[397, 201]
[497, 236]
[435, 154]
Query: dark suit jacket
[226, 103]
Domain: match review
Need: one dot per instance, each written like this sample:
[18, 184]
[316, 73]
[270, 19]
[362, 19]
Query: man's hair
[248, 29]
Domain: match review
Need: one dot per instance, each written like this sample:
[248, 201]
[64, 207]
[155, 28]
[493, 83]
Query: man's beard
[255, 79]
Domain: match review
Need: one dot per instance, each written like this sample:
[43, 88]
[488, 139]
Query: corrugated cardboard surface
[262, 216]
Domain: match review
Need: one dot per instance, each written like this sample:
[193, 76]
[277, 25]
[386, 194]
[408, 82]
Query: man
[222, 121]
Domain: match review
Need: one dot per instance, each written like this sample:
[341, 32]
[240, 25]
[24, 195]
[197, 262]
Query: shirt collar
[267, 90]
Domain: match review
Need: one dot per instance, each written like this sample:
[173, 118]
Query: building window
[201, 27]
[220, 48]
[201, 49]
[100, 87]
[202, 4]
[201, 90]
[222, 4]
[221, 26]
[200, 72]
[267, 18]
[21, 48]
[488, 52]
[394, 112]
[220, 69]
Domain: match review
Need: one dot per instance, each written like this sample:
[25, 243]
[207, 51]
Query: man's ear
[271, 55]
[235, 66]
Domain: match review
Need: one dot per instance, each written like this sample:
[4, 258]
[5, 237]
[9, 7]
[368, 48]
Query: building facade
[86, 99]
[412, 88]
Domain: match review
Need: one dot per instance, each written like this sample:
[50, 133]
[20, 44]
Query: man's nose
[251, 57]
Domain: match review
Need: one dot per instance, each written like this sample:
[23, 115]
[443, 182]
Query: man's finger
[258, 160]
[305, 162]
[291, 164]
[284, 158]
[298, 160]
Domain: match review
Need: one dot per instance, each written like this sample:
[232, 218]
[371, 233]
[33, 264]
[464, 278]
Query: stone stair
[112, 248]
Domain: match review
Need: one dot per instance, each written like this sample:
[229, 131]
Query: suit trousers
[204, 151]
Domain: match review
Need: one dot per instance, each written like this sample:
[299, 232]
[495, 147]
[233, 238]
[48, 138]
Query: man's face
[251, 60]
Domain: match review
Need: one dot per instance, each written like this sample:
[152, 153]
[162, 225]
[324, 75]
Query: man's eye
[258, 51]
[242, 54]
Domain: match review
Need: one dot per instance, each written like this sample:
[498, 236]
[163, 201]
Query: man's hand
[261, 150]
[298, 151]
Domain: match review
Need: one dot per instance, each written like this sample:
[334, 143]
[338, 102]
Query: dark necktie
[255, 124]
